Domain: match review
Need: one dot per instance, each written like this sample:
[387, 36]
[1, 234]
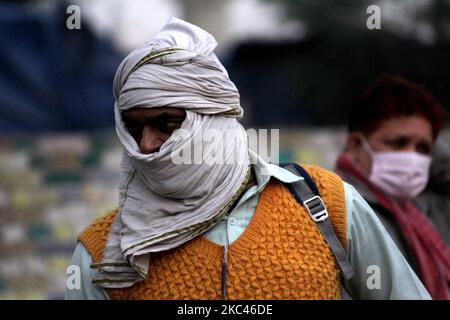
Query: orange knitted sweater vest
[281, 254]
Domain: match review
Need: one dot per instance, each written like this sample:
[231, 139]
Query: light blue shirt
[380, 270]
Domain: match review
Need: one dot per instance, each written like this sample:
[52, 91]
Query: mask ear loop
[365, 144]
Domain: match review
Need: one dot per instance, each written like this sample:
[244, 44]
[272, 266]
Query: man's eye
[134, 129]
[170, 125]
[174, 124]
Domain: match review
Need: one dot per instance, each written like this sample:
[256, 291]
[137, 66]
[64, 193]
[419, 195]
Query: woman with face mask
[387, 157]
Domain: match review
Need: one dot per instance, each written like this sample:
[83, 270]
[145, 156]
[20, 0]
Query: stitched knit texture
[281, 254]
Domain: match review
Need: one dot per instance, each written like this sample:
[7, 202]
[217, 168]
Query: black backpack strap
[307, 194]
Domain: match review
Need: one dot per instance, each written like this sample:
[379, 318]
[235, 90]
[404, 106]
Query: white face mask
[400, 174]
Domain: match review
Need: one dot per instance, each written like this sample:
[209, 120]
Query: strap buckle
[316, 208]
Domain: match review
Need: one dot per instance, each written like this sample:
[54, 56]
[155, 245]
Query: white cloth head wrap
[164, 204]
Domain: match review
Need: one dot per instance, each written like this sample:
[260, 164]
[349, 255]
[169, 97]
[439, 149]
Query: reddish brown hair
[391, 96]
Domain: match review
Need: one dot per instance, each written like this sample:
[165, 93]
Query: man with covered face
[223, 229]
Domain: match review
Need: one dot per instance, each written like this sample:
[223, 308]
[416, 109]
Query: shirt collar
[264, 171]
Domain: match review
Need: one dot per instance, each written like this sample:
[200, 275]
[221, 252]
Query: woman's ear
[354, 147]
[353, 143]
